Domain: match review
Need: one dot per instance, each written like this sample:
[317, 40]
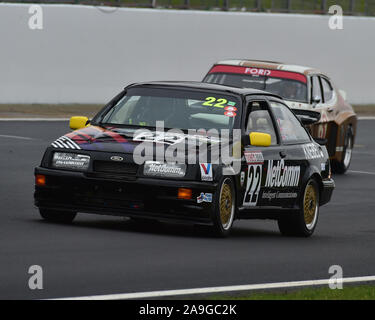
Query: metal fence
[350, 7]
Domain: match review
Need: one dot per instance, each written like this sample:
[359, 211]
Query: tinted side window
[316, 90]
[291, 130]
[259, 120]
[327, 90]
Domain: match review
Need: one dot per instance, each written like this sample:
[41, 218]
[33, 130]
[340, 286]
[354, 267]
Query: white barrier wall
[86, 55]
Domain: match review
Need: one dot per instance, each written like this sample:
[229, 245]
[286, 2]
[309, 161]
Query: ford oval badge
[117, 158]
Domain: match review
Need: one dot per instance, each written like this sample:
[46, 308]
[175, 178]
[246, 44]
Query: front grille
[115, 169]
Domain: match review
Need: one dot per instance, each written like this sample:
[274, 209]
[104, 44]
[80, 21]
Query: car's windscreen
[178, 109]
[289, 89]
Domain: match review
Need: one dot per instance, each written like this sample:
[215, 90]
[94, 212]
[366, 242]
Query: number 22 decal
[254, 178]
[220, 103]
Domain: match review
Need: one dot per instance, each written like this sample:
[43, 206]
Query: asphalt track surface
[105, 255]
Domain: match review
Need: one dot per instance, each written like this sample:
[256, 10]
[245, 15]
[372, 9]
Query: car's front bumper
[143, 197]
[326, 194]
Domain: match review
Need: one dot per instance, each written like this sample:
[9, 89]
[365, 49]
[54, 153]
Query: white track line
[15, 137]
[169, 293]
[362, 172]
[366, 118]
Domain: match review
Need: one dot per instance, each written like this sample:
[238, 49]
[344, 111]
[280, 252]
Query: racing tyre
[303, 223]
[57, 216]
[224, 208]
[343, 165]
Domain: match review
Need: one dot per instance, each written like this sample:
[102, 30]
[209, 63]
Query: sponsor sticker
[254, 157]
[204, 197]
[230, 108]
[231, 103]
[279, 195]
[230, 114]
[287, 195]
[281, 175]
[312, 151]
[269, 195]
[258, 72]
[155, 168]
[252, 71]
[206, 171]
[160, 137]
[323, 166]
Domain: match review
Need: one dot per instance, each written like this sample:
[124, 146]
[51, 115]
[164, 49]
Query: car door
[255, 161]
[285, 177]
[322, 90]
[316, 92]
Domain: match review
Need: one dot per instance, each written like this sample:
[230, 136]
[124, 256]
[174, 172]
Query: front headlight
[160, 169]
[71, 161]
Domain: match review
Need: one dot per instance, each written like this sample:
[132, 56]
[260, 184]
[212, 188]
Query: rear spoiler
[307, 117]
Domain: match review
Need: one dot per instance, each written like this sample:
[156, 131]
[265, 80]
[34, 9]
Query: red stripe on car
[259, 72]
[116, 136]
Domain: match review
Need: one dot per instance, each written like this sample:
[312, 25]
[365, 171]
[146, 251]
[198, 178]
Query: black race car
[188, 151]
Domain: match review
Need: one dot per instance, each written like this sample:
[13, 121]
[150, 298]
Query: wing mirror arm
[315, 100]
[245, 139]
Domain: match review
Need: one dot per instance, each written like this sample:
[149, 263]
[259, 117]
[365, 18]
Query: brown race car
[302, 88]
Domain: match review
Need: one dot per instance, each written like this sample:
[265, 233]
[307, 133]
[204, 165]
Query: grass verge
[48, 110]
[362, 292]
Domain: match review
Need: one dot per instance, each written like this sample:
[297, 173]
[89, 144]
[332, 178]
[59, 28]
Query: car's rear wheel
[343, 165]
[303, 222]
[224, 208]
[57, 216]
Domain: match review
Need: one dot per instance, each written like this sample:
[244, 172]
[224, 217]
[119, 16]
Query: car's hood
[125, 140]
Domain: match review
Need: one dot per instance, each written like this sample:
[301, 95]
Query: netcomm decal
[280, 175]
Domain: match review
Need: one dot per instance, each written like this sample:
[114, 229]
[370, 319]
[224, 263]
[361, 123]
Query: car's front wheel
[303, 222]
[224, 208]
[57, 216]
[343, 165]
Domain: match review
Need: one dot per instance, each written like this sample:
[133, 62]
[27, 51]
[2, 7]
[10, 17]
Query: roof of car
[204, 86]
[269, 65]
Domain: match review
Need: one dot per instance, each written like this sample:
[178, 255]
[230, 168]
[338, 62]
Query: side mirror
[78, 122]
[259, 139]
[316, 100]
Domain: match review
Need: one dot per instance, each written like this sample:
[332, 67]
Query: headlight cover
[71, 161]
[167, 170]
